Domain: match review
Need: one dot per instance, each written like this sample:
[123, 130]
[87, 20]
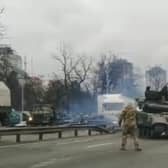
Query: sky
[133, 29]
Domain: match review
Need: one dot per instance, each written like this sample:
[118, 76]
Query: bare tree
[82, 70]
[101, 80]
[156, 77]
[75, 69]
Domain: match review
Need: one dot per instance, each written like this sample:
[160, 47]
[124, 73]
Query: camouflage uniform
[128, 116]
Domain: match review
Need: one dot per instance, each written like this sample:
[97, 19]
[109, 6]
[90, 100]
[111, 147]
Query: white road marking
[56, 142]
[99, 145]
[12, 146]
[49, 162]
[76, 141]
[36, 143]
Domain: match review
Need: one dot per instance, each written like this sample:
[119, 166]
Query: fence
[40, 131]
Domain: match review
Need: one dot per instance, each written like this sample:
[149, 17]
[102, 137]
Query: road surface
[84, 152]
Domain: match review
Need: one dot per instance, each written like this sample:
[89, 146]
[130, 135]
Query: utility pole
[25, 63]
[107, 79]
[32, 70]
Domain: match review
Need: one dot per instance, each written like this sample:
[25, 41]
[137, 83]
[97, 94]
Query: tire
[154, 131]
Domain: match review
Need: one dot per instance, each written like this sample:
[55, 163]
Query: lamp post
[22, 83]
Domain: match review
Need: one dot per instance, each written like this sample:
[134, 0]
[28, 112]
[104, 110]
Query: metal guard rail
[49, 130]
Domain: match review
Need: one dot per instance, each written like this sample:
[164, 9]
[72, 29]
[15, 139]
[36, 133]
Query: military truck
[42, 114]
[152, 118]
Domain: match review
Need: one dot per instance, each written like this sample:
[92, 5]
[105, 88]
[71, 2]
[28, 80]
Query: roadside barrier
[40, 131]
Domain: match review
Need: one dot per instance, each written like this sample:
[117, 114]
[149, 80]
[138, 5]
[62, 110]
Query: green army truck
[42, 114]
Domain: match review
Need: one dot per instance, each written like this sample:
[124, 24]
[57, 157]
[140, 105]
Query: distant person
[147, 92]
[128, 117]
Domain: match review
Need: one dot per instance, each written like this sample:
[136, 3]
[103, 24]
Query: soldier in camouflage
[128, 117]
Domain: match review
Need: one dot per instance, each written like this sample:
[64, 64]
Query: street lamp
[21, 80]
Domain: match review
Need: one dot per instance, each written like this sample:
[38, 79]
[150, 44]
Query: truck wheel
[157, 130]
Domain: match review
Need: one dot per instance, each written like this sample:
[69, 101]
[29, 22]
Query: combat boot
[123, 148]
[138, 149]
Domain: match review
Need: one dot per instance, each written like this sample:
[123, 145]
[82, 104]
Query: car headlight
[30, 118]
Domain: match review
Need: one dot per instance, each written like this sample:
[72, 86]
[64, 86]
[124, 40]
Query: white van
[111, 104]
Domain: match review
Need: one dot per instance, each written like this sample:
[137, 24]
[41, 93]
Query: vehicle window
[112, 106]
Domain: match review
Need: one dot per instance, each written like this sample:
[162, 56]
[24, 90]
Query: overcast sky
[133, 29]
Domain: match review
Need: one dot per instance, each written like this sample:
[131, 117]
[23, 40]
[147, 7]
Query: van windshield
[112, 106]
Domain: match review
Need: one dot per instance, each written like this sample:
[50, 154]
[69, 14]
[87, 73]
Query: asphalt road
[86, 152]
